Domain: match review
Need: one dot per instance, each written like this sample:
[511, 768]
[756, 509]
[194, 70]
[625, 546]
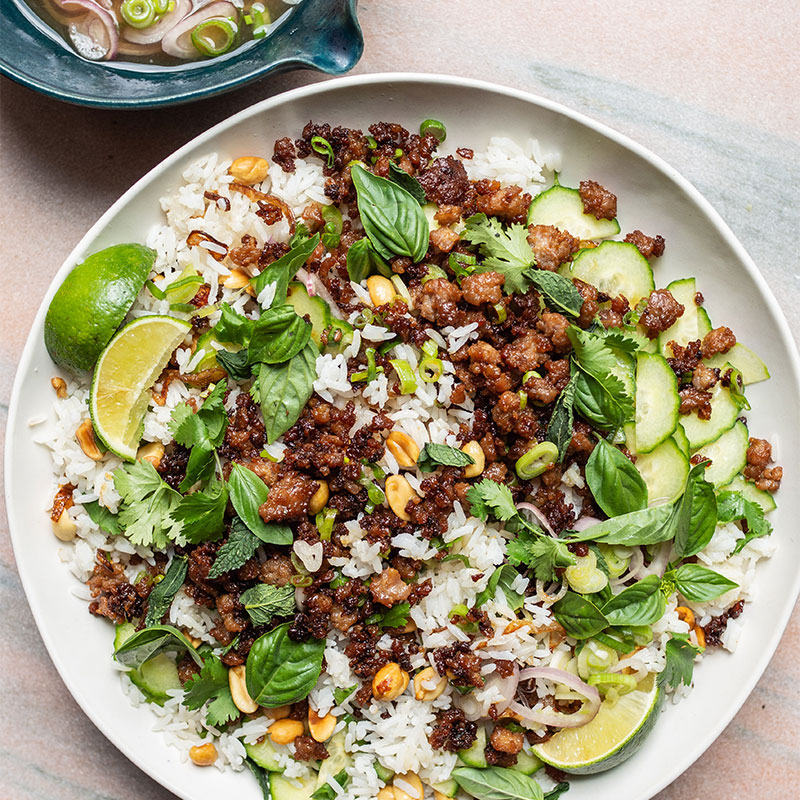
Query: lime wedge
[92, 303]
[126, 369]
[614, 735]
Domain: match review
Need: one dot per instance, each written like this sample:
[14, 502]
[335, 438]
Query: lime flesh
[126, 369]
[92, 303]
[614, 735]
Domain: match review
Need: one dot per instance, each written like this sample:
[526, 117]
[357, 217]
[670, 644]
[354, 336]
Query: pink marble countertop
[710, 86]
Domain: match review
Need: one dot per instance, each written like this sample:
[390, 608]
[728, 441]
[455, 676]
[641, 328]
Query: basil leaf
[559, 429]
[501, 578]
[278, 335]
[648, 526]
[407, 182]
[701, 584]
[101, 516]
[280, 272]
[164, 591]
[497, 783]
[240, 547]
[149, 642]
[283, 390]
[280, 671]
[433, 455]
[392, 218]
[263, 602]
[235, 364]
[233, 327]
[695, 514]
[640, 604]
[559, 292]
[579, 617]
[248, 493]
[615, 482]
[359, 263]
[557, 791]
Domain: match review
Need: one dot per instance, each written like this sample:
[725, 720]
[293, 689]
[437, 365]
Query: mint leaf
[558, 292]
[263, 602]
[235, 364]
[239, 548]
[101, 516]
[161, 596]
[433, 455]
[679, 666]
[505, 251]
[488, 497]
[211, 686]
[559, 429]
[199, 517]
[407, 182]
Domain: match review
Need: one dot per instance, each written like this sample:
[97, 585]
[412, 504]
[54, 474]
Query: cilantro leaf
[210, 686]
[433, 455]
[487, 497]
[733, 506]
[161, 597]
[101, 516]
[240, 547]
[264, 601]
[679, 667]
[505, 251]
[147, 503]
[408, 182]
[541, 553]
[199, 517]
[394, 617]
[621, 340]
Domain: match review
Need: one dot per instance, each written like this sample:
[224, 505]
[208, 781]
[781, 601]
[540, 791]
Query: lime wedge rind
[125, 371]
[612, 737]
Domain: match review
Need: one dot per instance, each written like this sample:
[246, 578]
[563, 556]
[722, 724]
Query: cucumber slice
[563, 208]
[728, 455]
[263, 752]
[337, 760]
[764, 499]
[475, 756]
[614, 268]
[526, 764]
[664, 470]
[657, 401]
[448, 788]
[741, 357]
[294, 789]
[724, 411]
[679, 435]
[155, 677]
[692, 324]
[429, 210]
[317, 309]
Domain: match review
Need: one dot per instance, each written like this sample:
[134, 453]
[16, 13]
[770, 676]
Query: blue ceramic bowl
[319, 34]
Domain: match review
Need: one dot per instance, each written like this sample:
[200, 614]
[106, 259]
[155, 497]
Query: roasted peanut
[403, 448]
[239, 693]
[398, 495]
[320, 728]
[279, 712]
[152, 452]
[319, 499]
[389, 682]
[285, 730]
[686, 615]
[238, 279]
[85, 437]
[204, 755]
[387, 793]
[60, 386]
[424, 680]
[701, 635]
[65, 528]
[380, 290]
[407, 786]
[475, 452]
[439, 796]
[249, 169]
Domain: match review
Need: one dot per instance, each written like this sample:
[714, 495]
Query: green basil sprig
[280, 272]
[233, 327]
[278, 335]
[392, 218]
[282, 390]
[165, 590]
[281, 671]
[497, 783]
[695, 514]
[616, 484]
[698, 583]
[407, 182]
[149, 642]
[640, 604]
[248, 492]
[579, 616]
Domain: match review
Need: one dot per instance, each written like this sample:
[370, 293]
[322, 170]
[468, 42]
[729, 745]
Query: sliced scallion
[500, 310]
[364, 317]
[430, 369]
[430, 349]
[215, 36]
[162, 6]
[190, 280]
[259, 18]
[186, 308]
[434, 128]
[321, 145]
[371, 142]
[408, 381]
[324, 522]
[159, 294]
[536, 461]
[138, 13]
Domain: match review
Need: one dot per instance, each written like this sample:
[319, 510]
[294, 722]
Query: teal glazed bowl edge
[322, 35]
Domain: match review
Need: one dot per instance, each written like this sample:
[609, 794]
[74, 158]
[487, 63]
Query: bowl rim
[688, 756]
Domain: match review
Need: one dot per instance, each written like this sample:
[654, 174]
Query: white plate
[652, 197]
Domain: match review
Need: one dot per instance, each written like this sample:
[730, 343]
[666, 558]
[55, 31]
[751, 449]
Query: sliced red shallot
[95, 36]
[584, 523]
[635, 568]
[178, 40]
[153, 34]
[549, 716]
[508, 688]
[659, 563]
[538, 514]
[302, 275]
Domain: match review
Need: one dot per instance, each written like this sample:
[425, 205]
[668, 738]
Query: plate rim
[680, 763]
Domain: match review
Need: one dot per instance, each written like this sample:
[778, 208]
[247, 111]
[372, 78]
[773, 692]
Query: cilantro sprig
[211, 686]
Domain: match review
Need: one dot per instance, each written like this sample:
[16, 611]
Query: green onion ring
[138, 13]
[433, 127]
[536, 461]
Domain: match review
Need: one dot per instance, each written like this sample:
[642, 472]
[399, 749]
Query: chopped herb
[434, 455]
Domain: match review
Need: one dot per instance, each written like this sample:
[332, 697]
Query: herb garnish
[240, 547]
[263, 602]
[211, 686]
[163, 593]
[248, 493]
[434, 455]
[732, 506]
[680, 653]
[616, 484]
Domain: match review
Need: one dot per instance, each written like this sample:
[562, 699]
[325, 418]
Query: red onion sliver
[302, 275]
[177, 40]
[549, 716]
[585, 522]
[659, 563]
[508, 687]
[635, 567]
[95, 36]
[538, 514]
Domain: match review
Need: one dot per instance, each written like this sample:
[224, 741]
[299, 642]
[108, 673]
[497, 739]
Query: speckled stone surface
[709, 86]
